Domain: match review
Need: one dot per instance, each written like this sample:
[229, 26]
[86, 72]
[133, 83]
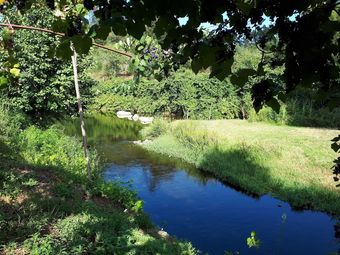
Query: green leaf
[6, 34]
[3, 81]
[274, 104]
[206, 55]
[135, 29]
[82, 43]
[335, 147]
[242, 76]
[103, 32]
[119, 28]
[63, 50]
[336, 139]
[222, 69]
[140, 48]
[15, 71]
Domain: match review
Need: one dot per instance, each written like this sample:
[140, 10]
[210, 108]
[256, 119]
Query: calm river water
[192, 205]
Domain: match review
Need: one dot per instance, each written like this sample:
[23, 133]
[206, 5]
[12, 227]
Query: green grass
[290, 163]
[47, 207]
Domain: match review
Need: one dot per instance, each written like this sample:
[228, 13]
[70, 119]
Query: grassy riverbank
[290, 163]
[47, 206]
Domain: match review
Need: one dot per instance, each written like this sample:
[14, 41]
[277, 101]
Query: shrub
[157, 128]
[11, 123]
[300, 111]
[183, 94]
[51, 148]
[267, 114]
[45, 86]
[117, 193]
[196, 139]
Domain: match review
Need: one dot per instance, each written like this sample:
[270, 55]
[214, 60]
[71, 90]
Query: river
[195, 206]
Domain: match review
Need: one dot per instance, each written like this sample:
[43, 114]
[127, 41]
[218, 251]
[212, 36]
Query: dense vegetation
[183, 94]
[286, 162]
[302, 37]
[186, 95]
[45, 85]
[48, 207]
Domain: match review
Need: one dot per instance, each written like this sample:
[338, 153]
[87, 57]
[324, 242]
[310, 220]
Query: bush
[51, 148]
[118, 193]
[10, 125]
[45, 87]
[157, 128]
[300, 110]
[183, 94]
[196, 139]
[267, 114]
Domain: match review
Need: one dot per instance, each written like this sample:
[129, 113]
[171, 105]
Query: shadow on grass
[47, 210]
[239, 168]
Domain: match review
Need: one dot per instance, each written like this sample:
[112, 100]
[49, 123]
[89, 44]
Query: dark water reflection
[195, 206]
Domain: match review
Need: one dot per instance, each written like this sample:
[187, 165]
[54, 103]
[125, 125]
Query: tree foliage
[302, 36]
[182, 94]
[45, 85]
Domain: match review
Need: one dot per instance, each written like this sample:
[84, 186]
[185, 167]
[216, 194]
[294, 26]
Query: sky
[209, 26]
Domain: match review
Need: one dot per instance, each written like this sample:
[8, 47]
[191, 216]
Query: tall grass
[157, 128]
[51, 148]
[299, 112]
[292, 164]
[48, 207]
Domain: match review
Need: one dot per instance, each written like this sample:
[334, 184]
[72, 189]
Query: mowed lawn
[291, 163]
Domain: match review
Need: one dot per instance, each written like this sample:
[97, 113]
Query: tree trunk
[81, 113]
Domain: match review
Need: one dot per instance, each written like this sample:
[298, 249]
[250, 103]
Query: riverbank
[48, 207]
[290, 163]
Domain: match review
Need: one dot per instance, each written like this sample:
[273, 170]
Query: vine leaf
[274, 104]
[63, 50]
[82, 43]
[240, 78]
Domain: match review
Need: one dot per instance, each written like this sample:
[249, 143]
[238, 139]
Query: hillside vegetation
[183, 94]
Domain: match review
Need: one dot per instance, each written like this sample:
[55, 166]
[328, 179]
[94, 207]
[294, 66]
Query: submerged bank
[292, 164]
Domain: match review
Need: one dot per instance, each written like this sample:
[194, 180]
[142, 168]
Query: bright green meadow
[290, 163]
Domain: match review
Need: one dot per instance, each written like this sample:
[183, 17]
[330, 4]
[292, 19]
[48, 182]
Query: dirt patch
[15, 251]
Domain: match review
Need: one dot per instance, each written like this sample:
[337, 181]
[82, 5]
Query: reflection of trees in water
[104, 128]
[162, 168]
[159, 167]
[105, 131]
[337, 233]
[163, 172]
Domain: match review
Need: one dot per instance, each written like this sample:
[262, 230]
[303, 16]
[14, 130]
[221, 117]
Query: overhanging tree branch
[13, 26]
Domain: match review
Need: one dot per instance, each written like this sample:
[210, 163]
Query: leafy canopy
[302, 36]
[41, 86]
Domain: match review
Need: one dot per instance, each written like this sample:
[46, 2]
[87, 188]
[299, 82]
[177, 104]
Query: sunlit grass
[48, 207]
[291, 163]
